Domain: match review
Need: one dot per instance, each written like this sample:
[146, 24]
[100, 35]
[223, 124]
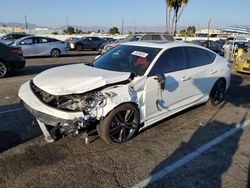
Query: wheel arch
[116, 106]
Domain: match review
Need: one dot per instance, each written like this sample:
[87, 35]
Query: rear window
[198, 57]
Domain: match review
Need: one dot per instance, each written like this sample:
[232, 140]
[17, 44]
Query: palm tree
[177, 4]
[168, 14]
[184, 4]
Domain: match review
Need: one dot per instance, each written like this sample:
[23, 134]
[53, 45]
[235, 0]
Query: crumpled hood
[76, 79]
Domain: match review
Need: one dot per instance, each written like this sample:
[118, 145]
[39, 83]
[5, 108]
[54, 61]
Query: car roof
[163, 44]
[32, 36]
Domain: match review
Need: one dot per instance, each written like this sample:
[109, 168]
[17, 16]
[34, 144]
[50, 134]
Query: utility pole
[135, 27]
[122, 26]
[208, 29]
[67, 22]
[26, 24]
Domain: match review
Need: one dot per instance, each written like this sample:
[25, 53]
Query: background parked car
[108, 40]
[83, 43]
[243, 63]
[235, 45]
[138, 37]
[71, 39]
[212, 45]
[11, 58]
[41, 46]
[11, 37]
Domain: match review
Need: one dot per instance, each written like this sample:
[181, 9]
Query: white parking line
[171, 168]
[12, 110]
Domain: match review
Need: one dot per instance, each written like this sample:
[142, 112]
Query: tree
[190, 31]
[168, 14]
[176, 5]
[78, 31]
[70, 30]
[183, 33]
[114, 30]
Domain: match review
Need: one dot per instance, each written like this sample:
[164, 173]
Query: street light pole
[26, 24]
[208, 29]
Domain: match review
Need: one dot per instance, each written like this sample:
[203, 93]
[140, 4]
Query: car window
[7, 37]
[27, 41]
[42, 40]
[170, 61]
[95, 39]
[147, 37]
[198, 57]
[19, 36]
[169, 37]
[156, 37]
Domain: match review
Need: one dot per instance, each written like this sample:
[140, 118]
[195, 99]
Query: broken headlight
[85, 102]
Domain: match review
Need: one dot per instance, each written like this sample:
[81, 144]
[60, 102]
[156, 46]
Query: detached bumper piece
[64, 127]
[45, 131]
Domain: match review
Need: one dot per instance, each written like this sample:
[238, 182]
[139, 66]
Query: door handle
[186, 78]
[213, 71]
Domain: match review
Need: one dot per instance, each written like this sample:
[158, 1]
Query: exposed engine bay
[85, 103]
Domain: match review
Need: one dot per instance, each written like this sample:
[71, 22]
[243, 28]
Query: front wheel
[217, 93]
[120, 125]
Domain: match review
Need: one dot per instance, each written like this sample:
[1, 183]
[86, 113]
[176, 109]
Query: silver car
[138, 37]
[41, 46]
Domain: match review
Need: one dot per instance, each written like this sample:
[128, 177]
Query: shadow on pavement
[248, 182]
[205, 170]
[16, 127]
[8, 139]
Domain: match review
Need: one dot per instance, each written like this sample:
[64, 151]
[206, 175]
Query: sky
[54, 13]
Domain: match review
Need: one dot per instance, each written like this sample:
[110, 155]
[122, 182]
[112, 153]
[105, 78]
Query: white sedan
[127, 89]
[41, 46]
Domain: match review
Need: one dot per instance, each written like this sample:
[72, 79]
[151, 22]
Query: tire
[3, 69]
[125, 122]
[217, 94]
[79, 47]
[55, 53]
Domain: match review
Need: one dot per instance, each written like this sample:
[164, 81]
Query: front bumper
[44, 113]
[242, 68]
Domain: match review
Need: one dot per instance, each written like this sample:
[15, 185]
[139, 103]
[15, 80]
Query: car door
[88, 43]
[169, 97]
[44, 46]
[29, 46]
[202, 72]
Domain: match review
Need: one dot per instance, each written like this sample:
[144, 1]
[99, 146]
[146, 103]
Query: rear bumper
[17, 63]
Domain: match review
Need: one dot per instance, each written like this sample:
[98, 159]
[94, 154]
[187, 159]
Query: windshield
[125, 58]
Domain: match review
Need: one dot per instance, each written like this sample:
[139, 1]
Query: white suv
[127, 89]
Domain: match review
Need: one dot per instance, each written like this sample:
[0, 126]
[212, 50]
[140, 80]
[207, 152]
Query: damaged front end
[87, 104]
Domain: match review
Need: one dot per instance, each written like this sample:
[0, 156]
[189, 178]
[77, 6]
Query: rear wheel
[120, 125]
[79, 47]
[3, 70]
[217, 93]
[55, 53]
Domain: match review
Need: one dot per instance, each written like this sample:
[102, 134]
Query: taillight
[16, 51]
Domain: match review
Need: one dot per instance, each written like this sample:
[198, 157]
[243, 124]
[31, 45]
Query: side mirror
[161, 80]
